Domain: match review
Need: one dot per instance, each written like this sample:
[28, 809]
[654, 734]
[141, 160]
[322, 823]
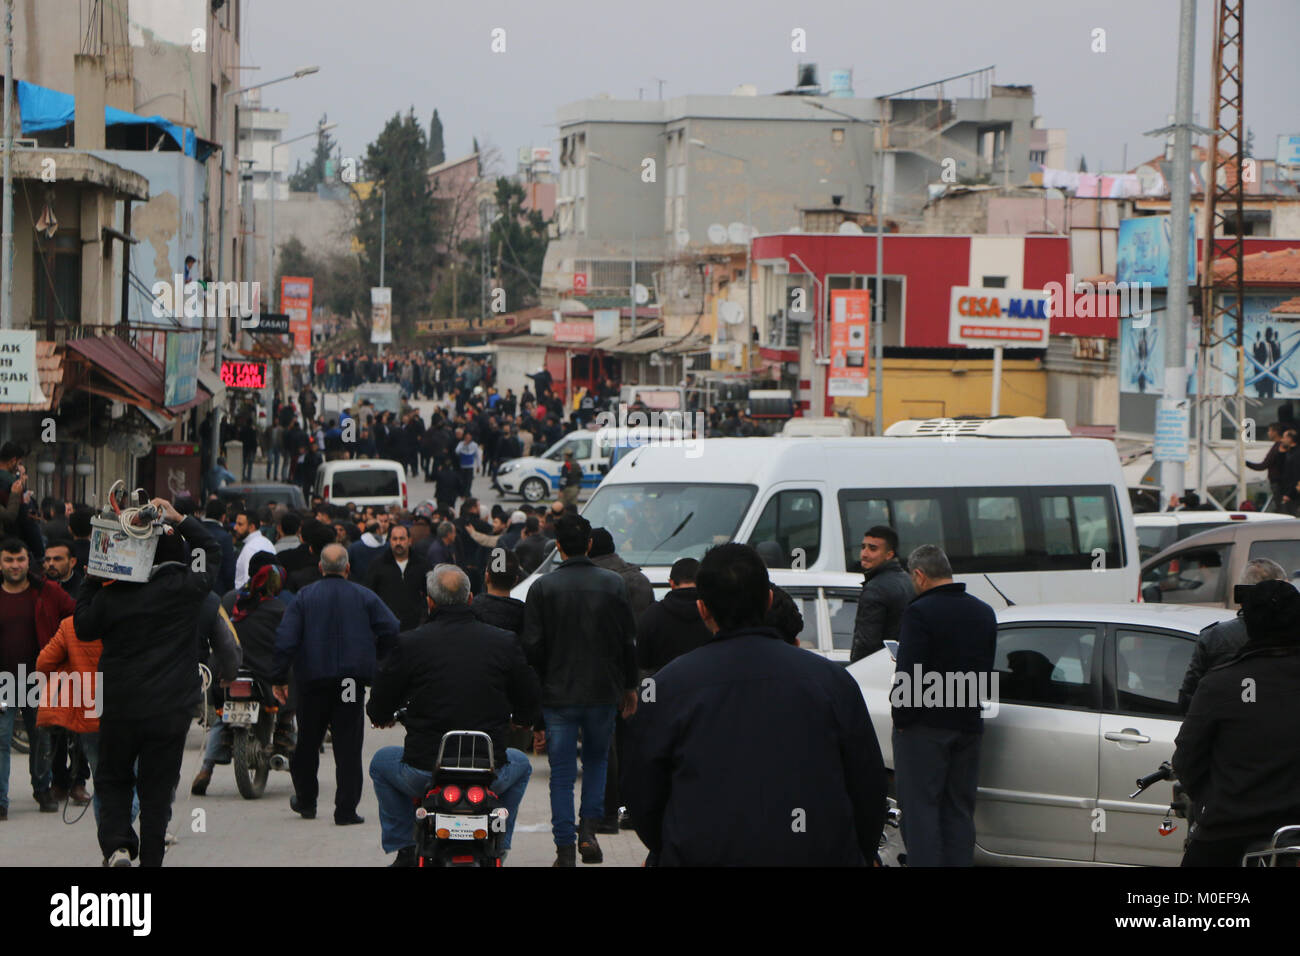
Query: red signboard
[850, 320]
[295, 301]
[575, 332]
[580, 282]
[243, 374]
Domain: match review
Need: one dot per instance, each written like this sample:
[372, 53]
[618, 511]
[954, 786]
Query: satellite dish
[738, 233]
[849, 228]
[717, 233]
[683, 238]
[732, 313]
[642, 294]
[1149, 179]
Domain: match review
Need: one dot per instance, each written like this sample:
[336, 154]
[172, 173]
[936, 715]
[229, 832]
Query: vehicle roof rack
[1024, 426]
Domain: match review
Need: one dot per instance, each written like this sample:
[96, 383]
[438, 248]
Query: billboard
[1288, 150]
[20, 381]
[181, 367]
[381, 316]
[1142, 252]
[236, 374]
[980, 318]
[1272, 350]
[850, 321]
[295, 302]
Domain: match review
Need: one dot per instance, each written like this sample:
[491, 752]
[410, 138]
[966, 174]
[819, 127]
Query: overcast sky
[379, 57]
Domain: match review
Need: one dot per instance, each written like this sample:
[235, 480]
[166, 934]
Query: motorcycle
[1281, 849]
[460, 821]
[250, 711]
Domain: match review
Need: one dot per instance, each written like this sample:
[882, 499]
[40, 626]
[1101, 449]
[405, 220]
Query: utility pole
[383, 239]
[7, 303]
[1174, 405]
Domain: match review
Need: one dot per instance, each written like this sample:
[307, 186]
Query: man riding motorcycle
[1236, 750]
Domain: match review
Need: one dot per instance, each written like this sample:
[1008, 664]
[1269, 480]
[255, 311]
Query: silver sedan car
[1087, 702]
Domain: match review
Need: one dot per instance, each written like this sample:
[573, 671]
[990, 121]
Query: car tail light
[451, 794]
[462, 859]
[326, 495]
[1236, 517]
[475, 794]
[242, 688]
[403, 494]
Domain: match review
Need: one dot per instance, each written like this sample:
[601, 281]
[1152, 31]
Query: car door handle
[1127, 736]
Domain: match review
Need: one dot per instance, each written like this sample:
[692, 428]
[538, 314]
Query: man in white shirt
[250, 540]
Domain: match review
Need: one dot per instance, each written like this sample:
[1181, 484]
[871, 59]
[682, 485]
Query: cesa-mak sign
[982, 318]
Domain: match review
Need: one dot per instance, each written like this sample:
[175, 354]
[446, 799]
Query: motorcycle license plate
[460, 828]
[240, 712]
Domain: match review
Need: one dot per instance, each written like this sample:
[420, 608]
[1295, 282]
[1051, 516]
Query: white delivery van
[1024, 520]
[362, 482]
[594, 449]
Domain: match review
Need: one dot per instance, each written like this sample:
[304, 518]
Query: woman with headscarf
[255, 611]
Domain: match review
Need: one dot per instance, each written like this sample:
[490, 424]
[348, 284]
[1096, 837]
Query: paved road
[223, 829]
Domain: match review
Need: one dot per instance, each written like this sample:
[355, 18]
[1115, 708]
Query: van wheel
[534, 489]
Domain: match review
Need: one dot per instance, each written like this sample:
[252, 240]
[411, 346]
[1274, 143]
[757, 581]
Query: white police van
[594, 450]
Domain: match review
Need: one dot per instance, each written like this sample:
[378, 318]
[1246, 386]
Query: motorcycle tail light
[451, 794]
[443, 834]
[475, 794]
[241, 688]
[480, 834]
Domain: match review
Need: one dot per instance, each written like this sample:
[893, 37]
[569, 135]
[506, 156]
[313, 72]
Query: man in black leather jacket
[1223, 641]
[1236, 751]
[580, 635]
[886, 591]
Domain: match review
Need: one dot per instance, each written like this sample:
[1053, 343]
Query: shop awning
[126, 374]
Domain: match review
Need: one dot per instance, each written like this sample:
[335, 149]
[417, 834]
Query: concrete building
[259, 131]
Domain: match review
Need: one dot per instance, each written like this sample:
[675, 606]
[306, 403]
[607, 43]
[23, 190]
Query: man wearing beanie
[1236, 751]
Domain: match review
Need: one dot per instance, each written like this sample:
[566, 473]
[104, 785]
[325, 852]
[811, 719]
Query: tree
[397, 163]
[337, 284]
[516, 247]
[1083, 164]
[305, 179]
[437, 154]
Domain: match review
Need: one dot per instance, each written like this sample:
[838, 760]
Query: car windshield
[657, 524]
[1153, 539]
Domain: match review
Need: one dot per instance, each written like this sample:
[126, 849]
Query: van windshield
[370, 483]
[657, 524]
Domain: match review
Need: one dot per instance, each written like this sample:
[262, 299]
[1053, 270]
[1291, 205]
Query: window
[581, 450]
[837, 134]
[1195, 576]
[997, 526]
[371, 483]
[792, 520]
[1046, 665]
[57, 282]
[1149, 669]
[805, 601]
[917, 517]
[1285, 553]
[1077, 526]
[843, 607]
[995, 282]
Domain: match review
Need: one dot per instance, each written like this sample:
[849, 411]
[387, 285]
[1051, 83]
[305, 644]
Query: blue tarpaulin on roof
[45, 109]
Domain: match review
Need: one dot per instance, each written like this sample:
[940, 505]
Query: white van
[362, 482]
[817, 428]
[594, 449]
[1036, 519]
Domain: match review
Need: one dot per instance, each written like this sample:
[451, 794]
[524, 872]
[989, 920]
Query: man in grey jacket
[886, 591]
[1225, 640]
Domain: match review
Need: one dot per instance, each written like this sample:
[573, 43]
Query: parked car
[259, 493]
[385, 397]
[595, 450]
[362, 482]
[1087, 702]
[1157, 530]
[1203, 568]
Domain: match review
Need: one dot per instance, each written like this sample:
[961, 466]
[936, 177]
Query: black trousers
[320, 708]
[612, 782]
[1216, 852]
[158, 743]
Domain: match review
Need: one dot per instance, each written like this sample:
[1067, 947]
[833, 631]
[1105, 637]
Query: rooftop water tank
[841, 84]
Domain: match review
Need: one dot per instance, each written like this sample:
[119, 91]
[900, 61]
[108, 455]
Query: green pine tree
[305, 179]
[437, 153]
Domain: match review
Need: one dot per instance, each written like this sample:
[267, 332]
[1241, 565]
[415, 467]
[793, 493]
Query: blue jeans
[217, 748]
[273, 467]
[397, 784]
[38, 757]
[90, 747]
[562, 726]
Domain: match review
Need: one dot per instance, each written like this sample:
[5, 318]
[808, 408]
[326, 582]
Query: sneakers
[405, 857]
[79, 796]
[47, 802]
[169, 839]
[201, 780]
[588, 846]
[307, 813]
[566, 856]
[119, 858]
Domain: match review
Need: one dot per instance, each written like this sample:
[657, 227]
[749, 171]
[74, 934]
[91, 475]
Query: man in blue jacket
[948, 638]
[748, 751]
[332, 635]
